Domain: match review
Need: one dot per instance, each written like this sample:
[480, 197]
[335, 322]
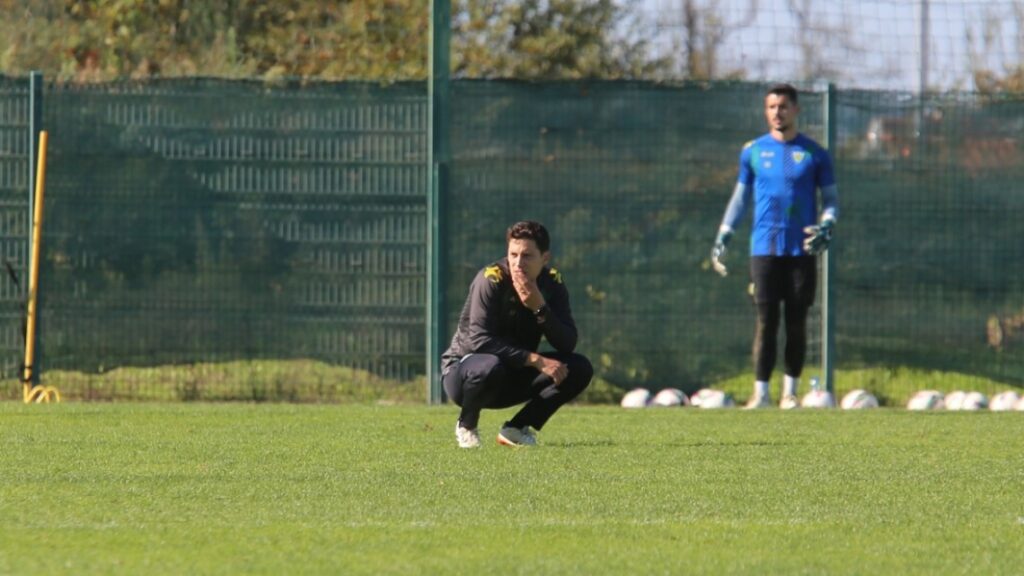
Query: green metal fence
[206, 221]
[633, 180]
[209, 221]
[14, 217]
[931, 272]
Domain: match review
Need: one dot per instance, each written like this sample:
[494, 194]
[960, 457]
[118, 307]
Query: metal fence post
[35, 126]
[828, 308]
[439, 156]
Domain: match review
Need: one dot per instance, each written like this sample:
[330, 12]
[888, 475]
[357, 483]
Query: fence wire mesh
[203, 221]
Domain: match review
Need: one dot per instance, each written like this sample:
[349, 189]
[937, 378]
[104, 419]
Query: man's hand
[553, 368]
[718, 252]
[527, 290]
[818, 237]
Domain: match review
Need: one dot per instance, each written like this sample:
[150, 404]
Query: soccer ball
[818, 399]
[670, 397]
[710, 398]
[636, 398]
[961, 400]
[859, 400]
[1004, 401]
[974, 401]
[926, 400]
[955, 400]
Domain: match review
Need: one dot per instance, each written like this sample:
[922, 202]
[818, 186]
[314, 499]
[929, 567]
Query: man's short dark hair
[786, 90]
[529, 230]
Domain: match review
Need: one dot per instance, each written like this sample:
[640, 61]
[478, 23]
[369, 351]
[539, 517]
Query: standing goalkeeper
[779, 174]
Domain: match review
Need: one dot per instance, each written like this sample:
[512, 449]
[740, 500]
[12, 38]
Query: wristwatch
[541, 314]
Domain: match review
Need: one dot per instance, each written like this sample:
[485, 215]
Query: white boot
[761, 397]
[467, 438]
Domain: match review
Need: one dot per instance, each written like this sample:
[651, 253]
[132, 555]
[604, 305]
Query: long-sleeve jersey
[782, 179]
[494, 320]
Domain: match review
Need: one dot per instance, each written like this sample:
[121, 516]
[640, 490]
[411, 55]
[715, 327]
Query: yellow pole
[39, 393]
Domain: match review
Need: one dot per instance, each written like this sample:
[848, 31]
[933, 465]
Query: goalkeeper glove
[718, 252]
[818, 237]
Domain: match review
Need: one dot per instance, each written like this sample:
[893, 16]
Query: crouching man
[493, 360]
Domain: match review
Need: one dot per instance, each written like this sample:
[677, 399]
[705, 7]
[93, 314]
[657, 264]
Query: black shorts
[790, 279]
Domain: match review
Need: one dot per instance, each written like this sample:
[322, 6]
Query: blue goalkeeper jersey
[783, 178]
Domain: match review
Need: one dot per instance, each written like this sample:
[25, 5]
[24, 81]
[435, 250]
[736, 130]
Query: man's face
[524, 255]
[780, 112]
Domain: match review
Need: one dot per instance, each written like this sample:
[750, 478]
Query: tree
[813, 35]
[984, 58]
[104, 39]
[704, 31]
[549, 39]
[385, 40]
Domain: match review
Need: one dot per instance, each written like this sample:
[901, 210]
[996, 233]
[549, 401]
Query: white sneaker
[758, 402]
[509, 436]
[789, 402]
[467, 438]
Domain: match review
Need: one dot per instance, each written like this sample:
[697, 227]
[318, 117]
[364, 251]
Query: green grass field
[362, 489]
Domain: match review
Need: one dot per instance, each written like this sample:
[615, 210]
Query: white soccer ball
[926, 400]
[974, 401]
[859, 400]
[709, 398]
[955, 400]
[1004, 401]
[818, 399]
[636, 398]
[670, 397]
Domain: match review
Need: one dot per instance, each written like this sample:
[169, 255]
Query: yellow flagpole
[36, 393]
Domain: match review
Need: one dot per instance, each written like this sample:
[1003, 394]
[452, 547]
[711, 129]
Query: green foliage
[381, 40]
[600, 391]
[305, 380]
[106, 39]
[245, 381]
[542, 39]
[273, 489]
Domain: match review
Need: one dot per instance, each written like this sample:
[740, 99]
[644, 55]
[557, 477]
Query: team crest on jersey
[493, 273]
[555, 275]
[799, 156]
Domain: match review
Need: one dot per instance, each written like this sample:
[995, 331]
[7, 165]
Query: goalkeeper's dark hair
[786, 90]
[529, 230]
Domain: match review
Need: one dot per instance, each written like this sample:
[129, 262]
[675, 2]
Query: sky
[872, 44]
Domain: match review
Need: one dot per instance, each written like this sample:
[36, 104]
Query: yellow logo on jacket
[493, 273]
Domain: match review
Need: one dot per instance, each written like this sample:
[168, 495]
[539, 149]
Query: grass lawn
[359, 489]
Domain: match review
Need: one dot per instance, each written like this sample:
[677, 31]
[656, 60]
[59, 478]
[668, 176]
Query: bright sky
[873, 44]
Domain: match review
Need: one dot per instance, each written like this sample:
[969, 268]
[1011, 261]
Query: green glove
[818, 237]
[718, 251]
